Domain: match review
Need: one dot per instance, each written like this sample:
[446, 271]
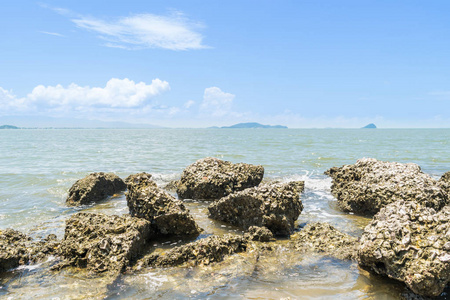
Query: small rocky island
[8, 127]
[369, 126]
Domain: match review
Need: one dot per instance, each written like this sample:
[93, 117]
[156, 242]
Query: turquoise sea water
[37, 167]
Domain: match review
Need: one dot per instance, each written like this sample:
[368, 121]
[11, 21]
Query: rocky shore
[408, 239]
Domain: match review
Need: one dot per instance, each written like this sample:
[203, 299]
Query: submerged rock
[94, 187]
[409, 242]
[201, 252]
[260, 234]
[103, 243]
[211, 178]
[368, 185]
[324, 238]
[275, 206]
[167, 215]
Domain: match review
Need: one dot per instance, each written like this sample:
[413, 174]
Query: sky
[195, 63]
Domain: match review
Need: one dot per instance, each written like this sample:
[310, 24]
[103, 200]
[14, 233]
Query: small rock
[13, 249]
[260, 234]
[94, 187]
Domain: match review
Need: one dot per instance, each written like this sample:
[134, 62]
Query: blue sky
[203, 63]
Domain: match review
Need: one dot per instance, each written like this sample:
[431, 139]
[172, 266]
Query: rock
[444, 182]
[167, 215]
[275, 206]
[172, 186]
[201, 252]
[102, 243]
[409, 242]
[211, 178]
[325, 239]
[260, 234]
[94, 187]
[13, 249]
[368, 185]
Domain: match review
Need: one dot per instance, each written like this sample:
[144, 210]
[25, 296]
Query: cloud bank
[216, 102]
[174, 32]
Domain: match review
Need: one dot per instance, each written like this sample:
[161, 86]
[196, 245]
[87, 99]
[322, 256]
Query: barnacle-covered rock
[325, 239]
[211, 178]
[275, 206]
[103, 243]
[409, 242]
[201, 252]
[444, 181]
[260, 234]
[167, 215]
[13, 249]
[368, 185]
[94, 187]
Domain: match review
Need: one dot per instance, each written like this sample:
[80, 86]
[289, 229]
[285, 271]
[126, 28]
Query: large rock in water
[168, 215]
[211, 178]
[411, 243]
[103, 243]
[325, 239]
[368, 185]
[275, 206]
[94, 187]
[13, 249]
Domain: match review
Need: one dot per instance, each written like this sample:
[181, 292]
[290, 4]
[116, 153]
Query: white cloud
[9, 101]
[174, 32]
[189, 104]
[52, 33]
[123, 93]
[216, 102]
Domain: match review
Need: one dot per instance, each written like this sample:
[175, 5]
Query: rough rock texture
[168, 215]
[13, 249]
[103, 243]
[325, 239]
[444, 181]
[211, 178]
[260, 234]
[201, 252]
[275, 206]
[94, 187]
[368, 185]
[411, 243]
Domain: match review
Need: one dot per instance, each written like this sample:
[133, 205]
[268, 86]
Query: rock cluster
[275, 206]
[201, 252]
[409, 242]
[103, 243]
[211, 178]
[325, 239]
[368, 185]
[94, 187]
[167, 215]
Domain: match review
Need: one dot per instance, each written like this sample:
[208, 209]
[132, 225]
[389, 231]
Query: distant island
[8, 127]
[251, 125]
[370, 126]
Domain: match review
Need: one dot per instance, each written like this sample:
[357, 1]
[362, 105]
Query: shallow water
[37, 167]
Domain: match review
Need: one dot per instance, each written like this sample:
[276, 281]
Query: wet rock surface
[260, 234]
[94, 187]
[211, 178]
[275, 206]
[201, 252]
[103, 243]
[13, 249]
[369, 185]
[325, 239]
[167, 214]
[409, 242]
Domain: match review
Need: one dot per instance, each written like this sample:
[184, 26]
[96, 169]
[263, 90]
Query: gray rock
[260, 234]
[325, 239]
[275, 206]
[409, 242]
[368, 185]
[102, 243]
[167, 215]
[94, 187]
[211, 178]
[444, 181]
[201, 252]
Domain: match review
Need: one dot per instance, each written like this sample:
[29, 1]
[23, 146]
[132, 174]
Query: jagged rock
[168, 215]
[411, 243]
[43, 248]
[172, 186]
[13, 249]
[368, 185]
[94, 187]
[444, 181]
[201, 252]
[275, 206]
[211, 178]
[325, 239]
[260, 234]
[103, 243]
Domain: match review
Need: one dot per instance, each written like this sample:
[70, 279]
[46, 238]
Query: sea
[38, 166]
